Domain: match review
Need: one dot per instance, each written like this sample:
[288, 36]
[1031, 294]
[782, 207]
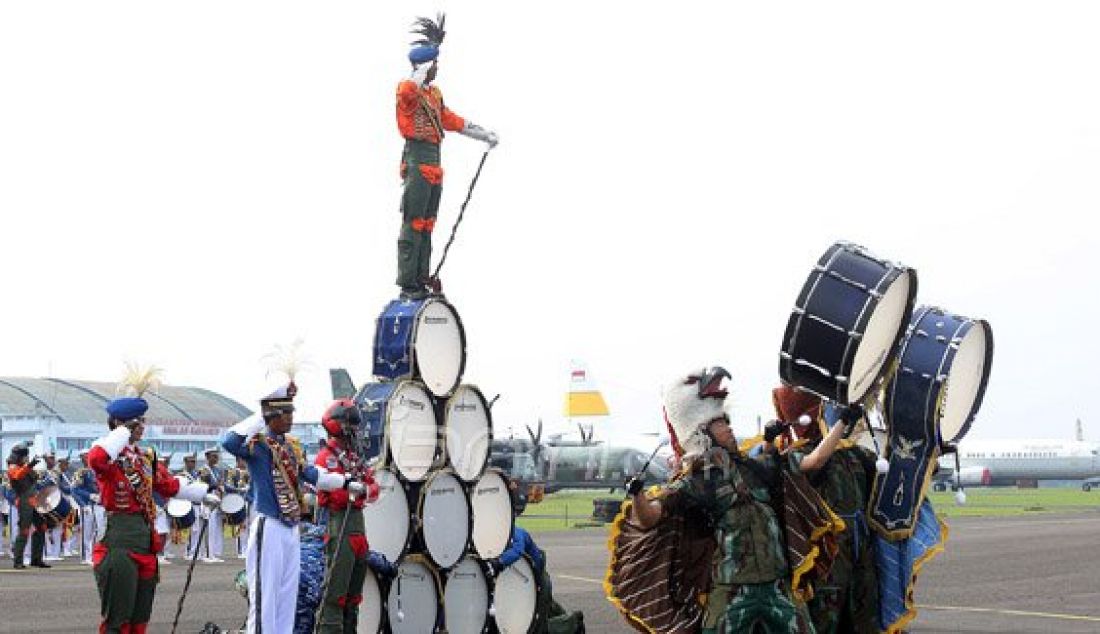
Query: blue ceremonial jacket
[522, 544]
[260, 462]
[84, 487]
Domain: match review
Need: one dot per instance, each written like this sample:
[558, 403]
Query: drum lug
[921, 333]
[941, 339]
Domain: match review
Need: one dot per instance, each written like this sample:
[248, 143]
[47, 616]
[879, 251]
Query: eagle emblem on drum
[904, 448]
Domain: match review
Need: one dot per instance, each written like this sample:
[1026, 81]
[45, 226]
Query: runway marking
[584, 579]
[1042, 615]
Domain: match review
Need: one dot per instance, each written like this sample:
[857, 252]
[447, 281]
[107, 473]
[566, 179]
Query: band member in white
[214, 475]
[278, 468]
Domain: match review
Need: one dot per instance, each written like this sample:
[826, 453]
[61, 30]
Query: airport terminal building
[68, 416]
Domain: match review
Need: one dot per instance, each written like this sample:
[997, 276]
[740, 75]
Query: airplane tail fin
[342, 386]
[1080, 431]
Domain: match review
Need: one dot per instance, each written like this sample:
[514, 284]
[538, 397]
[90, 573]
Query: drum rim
[447, 425]
[414, 362]
[387, 459]
[965, 325]
[798, 313]
[490, 584]
[469, 515]
[410, 531]
[427, 563]
[511, 515]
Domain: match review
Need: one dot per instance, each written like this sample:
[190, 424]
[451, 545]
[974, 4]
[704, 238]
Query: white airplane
[1022, 462]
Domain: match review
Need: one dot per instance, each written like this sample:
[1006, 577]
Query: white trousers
[53, 543]
[193, 537]
[93, 519]
[273, 564]
[215, 538]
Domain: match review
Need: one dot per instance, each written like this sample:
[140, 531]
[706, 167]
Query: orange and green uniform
[422, 119]
[31, 524]
[125, 560]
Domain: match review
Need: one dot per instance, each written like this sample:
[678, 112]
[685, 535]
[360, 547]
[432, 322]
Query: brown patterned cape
[658, 578]
[810, 528]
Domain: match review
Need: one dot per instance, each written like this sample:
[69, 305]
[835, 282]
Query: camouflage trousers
[847, 600]
[755, 607]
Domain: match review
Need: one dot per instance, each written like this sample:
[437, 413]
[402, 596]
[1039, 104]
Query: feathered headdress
[431, 33]
[138, 380]
[288, 360]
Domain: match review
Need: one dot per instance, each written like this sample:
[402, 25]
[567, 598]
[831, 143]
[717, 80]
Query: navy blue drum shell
[373, 399]
[393, 344]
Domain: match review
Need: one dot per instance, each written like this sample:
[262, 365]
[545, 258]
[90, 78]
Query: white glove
[94, 498]
[356, 488]
[420, 73]
[211, 499]
[249, 427]
[474, 131]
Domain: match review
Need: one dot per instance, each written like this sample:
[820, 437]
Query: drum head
[491, 505]
[49, 500]
[232, 503]
[387, 518]
[515, 597]
[881, 335]
[439, 346]
[468, 427]
[412, 432]
[370, 611]
[466, 598]
[965, 385]
[413, 604]
[445, 516]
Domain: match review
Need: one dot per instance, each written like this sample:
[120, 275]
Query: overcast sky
[193, 183]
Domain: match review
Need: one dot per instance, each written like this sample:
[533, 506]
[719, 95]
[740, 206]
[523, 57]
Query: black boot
[19, 565]
[40, 564]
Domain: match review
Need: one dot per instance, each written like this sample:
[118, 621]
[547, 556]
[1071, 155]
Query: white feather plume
[139, 379]
[288, 360]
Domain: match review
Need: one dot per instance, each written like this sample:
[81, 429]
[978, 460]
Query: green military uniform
[419, 208]
[349, 572]
[847, 598]
[750, 567]
[31, 524]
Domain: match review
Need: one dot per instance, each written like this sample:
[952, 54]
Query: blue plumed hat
[431, 35]
[127, 408]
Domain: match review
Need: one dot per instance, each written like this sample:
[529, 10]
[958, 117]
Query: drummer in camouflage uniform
[750, 573]
[846, 599]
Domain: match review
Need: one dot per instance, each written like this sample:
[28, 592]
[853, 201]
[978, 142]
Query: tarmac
[1033, 573]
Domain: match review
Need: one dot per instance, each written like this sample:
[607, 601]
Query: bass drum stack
[441, 513]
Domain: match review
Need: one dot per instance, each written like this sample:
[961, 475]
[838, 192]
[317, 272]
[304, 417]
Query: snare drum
[491, 507]
[53, 506]
[234, 508]
[467, 597]
[444, 512]
[387, 519]
[400, 420]
[468, 428]
[945, 364]
[422, 339]
[515, 598]
[413, 605]
[181, 513]
[846, 324]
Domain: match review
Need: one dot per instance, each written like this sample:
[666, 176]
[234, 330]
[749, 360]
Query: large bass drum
[444, 512]
[423, 339]
[372, 611]
[515, 598]
[387, 520]
[491, 507]
[467, 597]
[846, 324]
[399, 418]
[468, 428]
[413, 605]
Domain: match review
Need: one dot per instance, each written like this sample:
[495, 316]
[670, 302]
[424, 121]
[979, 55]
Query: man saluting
[277, 467]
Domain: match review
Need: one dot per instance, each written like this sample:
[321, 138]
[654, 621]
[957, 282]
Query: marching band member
[191, 472]
[92, 514]
[7, 503]
[213, 474]
[66, 483]
[125, 560]
[347, 557]
[237, 482]
[846, 599]
[161, 524]
[54, 535]
[422, 119]
[31, 525]
[751, 580]
[277, 468]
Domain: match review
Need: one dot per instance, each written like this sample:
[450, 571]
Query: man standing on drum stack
[125, 560]
[213, 474]
[278, 469]
[423, 119]
[846, 599]
[751, 580]
[347, 549]
[22, 478]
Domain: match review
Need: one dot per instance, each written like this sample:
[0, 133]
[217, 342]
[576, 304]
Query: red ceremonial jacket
[117, 479]
[334, 459]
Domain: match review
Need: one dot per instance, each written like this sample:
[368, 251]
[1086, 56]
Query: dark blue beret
[127, 408]
[425, 53]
